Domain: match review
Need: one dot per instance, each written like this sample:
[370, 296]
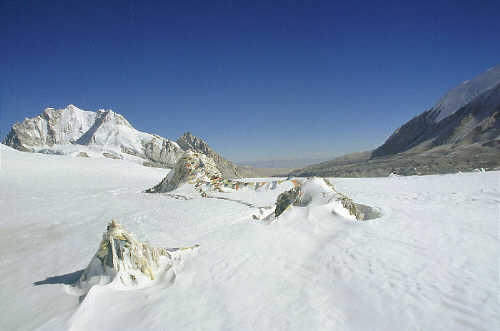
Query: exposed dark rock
[286, 199]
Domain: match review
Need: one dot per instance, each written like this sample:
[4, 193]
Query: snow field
[430, 263]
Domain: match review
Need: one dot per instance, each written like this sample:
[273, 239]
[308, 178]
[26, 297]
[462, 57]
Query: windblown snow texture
[430, 262]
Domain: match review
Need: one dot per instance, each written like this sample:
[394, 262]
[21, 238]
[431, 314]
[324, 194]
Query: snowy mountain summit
[72, 130]
[466, 92]
[52, 127]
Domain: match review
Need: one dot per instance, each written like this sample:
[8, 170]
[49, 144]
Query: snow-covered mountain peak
[71, 130]
[107, 115]
[68, 108]
[51, 127]
[105, 133]
[465, 92]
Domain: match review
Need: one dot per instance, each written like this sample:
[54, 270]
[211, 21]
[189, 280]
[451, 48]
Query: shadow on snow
[67, 279]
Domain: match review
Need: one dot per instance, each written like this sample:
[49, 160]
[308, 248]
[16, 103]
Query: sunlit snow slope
[465, 92]
[430, 263]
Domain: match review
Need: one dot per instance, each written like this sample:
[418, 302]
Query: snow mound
[196, 174]
[127, 263]
[314, 192]
[195, 171]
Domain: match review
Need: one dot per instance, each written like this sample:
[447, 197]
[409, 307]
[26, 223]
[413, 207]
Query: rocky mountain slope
[227, 168]
[461, 132]
[105, 133]
[475, 121]
[466, 92]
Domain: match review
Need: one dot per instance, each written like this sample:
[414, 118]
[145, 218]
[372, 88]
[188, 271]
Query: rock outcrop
[313, 192]
[193, 168]
[227, 168]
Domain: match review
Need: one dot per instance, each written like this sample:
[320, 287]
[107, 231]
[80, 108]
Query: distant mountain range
[105, 133]
[461, 132]
[284, 164]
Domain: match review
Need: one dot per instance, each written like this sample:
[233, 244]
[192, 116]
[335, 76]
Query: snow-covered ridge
[465, 92]
[105, 133]
[72, 130]
[52, 127]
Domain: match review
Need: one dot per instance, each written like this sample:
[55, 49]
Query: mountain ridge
[424, 132]
[439, 140]
[229, 170]
[79, 132]
[464, 93]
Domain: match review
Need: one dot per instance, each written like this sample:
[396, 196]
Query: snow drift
[313, 192]
[430, 263]
[126, 262]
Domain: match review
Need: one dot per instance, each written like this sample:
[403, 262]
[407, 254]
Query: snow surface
[465, 92]
[430, 263]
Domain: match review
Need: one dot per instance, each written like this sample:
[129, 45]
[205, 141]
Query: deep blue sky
[268, 80]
